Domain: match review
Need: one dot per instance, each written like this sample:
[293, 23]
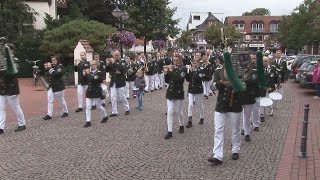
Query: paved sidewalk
[133, 147]
[291, 166]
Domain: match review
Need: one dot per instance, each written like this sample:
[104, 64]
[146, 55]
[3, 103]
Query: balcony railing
[257, 30]
[273, 30]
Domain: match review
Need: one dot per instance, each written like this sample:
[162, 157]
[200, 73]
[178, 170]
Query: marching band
[204, 73]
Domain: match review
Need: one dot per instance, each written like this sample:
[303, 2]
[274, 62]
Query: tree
[97, 10]
[16, 19]
[291, 33]
[185, 38]
[213, 36]
[258, 12]
[151, 19]
[62, 40]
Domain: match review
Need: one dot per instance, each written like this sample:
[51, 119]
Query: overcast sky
[229, 7]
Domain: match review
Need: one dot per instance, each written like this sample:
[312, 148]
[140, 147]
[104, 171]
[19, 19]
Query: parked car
[302, 58]
[290, 60]
[301, 70]
[306, 80]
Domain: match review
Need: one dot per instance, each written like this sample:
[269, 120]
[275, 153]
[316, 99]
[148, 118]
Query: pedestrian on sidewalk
[9, 92]
[316, 80]
[140, 83]
[94, 92]
[56, 86]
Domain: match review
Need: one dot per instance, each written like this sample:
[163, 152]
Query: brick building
[198, 22]
[257, 31]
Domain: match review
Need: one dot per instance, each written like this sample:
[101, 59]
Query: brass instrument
[146, 68]
[7, 60]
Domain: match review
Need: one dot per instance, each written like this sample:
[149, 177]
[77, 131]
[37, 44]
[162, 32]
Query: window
[210, 23]
[239, 26]
[257, 37]
[200, 38]
[257, 27]
[274, 27]
[196, 17]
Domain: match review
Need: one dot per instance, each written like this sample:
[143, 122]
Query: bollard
[304, 137]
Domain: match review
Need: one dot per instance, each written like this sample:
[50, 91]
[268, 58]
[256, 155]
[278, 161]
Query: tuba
[7, 61]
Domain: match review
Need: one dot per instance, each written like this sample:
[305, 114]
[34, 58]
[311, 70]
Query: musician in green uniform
[175, 75]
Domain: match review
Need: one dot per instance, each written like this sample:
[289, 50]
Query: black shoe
[207, 97]
[146, 91]
[235, 156]
[93, 107]
[104, 120]
[242, 132]
[189, 125]
[181, 129]
[127, 113]
[1, 131]
[201, 120]
[113, 115]
[79, 110]
[214, 161]
[247, 138]
[151, 90]
[262, 118]
[127, 98]
[160, 87]
[210, 94]
[134, 96]
[64, 115]
[256, 129]
[168, 135]
[103, 104]
[20, 128]
[87, 124]
[47, 117]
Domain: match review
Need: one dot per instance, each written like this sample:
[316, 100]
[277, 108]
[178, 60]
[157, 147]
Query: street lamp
[122, 15]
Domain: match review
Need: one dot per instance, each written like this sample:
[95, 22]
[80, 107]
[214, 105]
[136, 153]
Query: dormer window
[196, 18]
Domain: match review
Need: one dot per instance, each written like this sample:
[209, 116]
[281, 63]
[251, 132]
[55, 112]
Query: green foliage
[97, 10]
[151, 19]
[301, 27]
[15, 19]
[258, 12]
[62, 40]
[68, 75]
[185, 38]
[213, 36]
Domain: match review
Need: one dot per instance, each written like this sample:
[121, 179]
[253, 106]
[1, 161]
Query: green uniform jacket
[117, 72]
[223, 104]
[79, 68]
[175, 79]
[56, 78]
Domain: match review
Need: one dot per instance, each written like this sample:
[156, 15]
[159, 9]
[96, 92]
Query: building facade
[43, 7]
[257, 31]
[198, 23]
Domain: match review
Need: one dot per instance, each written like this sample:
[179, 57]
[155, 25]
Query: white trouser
[60, 96]
[129, 87]
[156, 81]
[97, 102]
[149, 82]
[256, 114]
[199, 101]
[14, 103]
[246, 116]
[81, 89]
[121, 93]
[177, 104]
[206, 87]
[219, 121]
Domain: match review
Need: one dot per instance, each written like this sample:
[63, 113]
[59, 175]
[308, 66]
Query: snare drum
[135, 91]
[265, 102]
[275, 96]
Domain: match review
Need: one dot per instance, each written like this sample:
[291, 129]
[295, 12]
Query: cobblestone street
[133, 147]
